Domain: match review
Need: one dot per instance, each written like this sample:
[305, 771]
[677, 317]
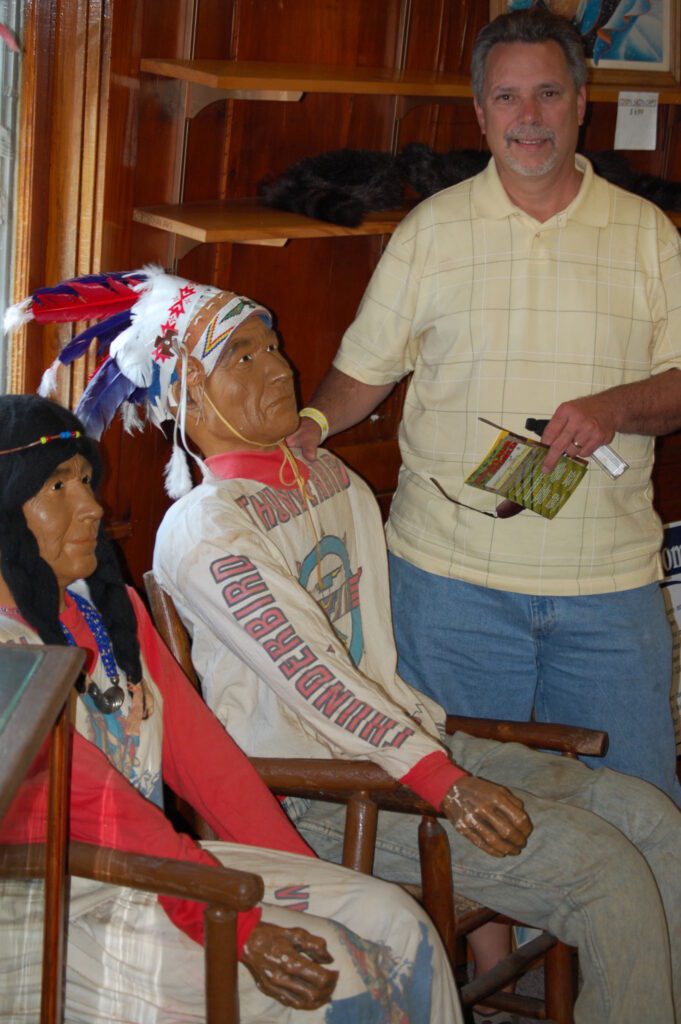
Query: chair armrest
[226, 887]
[337, 781]
[566, 739]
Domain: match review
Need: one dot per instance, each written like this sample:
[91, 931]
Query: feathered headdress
[146, 321]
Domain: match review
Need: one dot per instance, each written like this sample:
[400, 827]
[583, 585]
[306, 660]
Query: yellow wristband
[320, 419]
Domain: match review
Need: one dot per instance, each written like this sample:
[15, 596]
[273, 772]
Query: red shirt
[201, 764]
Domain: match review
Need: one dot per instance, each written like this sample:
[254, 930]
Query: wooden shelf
[263, 77]
[290, 81]
[246, 220]
[608, 92]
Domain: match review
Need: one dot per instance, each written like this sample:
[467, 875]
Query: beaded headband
[65, 435]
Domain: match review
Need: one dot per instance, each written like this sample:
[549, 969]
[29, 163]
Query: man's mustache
[529, 133]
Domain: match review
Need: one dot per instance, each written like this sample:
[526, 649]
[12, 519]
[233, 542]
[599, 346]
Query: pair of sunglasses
[504, 510]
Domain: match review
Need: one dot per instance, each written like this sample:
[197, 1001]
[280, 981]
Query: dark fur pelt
[344, 185]
[427, 172]
[614, 167]
[340, 187]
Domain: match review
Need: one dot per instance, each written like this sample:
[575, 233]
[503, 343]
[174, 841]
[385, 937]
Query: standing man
[534, 289]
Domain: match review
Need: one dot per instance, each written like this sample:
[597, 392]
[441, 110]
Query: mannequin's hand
[286, 964]
[306, 437]
[488, 815]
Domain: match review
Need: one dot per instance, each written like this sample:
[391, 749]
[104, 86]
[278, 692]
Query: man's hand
[488, 815]
[286, 964]
[579, 427]
[307, 437]
[345, 402]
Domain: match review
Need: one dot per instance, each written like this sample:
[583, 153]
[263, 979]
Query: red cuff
[432, 777]
[189, 917]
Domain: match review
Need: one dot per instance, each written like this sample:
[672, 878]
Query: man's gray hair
[534, 25]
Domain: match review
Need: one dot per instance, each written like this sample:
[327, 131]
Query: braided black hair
[23, 419]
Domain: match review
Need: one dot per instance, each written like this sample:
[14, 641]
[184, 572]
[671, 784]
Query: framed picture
[627, 41]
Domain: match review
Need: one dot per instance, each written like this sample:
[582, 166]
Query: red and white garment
[134, 957]
[290, 617]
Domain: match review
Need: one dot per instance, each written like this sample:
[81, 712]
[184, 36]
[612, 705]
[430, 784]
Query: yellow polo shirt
[498, 315]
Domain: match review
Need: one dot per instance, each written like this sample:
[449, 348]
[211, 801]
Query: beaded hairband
[65, 435]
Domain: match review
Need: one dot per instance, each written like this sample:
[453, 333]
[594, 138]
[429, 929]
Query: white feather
[132, 420]
[178, 479]
[17, 315]
[153, 269]
[48, 381]
[133, 348]
[133, 356]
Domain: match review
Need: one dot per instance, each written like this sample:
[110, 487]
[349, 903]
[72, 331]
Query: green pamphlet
[512, 468]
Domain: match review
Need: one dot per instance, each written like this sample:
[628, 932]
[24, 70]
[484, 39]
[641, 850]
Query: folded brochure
[512, 468]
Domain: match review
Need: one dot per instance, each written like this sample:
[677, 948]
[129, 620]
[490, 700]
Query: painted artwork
[619, 35]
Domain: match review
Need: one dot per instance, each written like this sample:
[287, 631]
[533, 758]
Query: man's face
[252, 386]
[64, 519]
[530, 110]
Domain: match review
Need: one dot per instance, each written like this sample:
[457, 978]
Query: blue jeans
[600, 871]
[603, 661]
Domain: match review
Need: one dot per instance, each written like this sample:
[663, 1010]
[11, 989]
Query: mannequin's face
[252, 387]
[64, 519]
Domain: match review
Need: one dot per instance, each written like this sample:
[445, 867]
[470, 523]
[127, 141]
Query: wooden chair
[225, 890]
[365, 789]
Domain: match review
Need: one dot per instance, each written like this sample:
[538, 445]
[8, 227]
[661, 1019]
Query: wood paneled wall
[63, 131]
[312, 286]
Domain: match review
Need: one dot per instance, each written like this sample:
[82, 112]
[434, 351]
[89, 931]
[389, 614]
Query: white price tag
[636, 120]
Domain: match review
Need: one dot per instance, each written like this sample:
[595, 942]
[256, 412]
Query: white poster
[671, 561]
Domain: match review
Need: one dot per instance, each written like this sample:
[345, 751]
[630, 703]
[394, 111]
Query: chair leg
[436, 882]
[560, 987]
[222, 993]
[361, 822]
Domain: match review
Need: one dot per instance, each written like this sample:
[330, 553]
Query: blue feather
[105, 331]
[107, 389]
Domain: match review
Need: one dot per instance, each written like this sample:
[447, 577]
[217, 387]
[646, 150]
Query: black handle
[537, 426]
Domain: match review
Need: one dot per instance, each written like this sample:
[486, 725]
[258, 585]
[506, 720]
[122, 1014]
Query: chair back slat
[170, 626]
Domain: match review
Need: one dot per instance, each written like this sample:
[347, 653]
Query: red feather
[86, 298]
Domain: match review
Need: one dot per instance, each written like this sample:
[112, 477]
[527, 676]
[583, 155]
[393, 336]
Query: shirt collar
[269, 468]
[590, 206]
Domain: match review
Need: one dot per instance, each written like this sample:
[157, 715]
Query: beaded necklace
[112, 699]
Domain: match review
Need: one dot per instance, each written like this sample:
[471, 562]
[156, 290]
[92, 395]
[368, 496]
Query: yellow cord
[288, 460]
